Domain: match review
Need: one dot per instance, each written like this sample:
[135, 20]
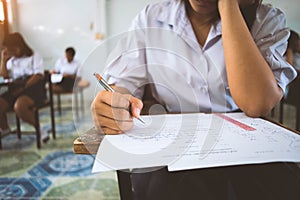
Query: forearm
[251, 81]
[69, 75]
[3, 69]
[53, 71]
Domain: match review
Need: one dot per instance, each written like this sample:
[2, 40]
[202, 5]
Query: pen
[110, 89]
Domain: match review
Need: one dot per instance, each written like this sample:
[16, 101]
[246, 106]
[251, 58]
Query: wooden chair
[58, 100]
[47, 103]
[292, 98]
[80, 87]
[77, 90]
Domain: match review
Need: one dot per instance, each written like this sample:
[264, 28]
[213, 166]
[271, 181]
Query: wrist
[3, 62]
[227, 6]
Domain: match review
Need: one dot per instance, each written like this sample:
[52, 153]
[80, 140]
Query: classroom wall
[291, 10]
[50, 26]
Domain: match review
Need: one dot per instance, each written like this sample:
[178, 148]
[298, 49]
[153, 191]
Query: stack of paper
[190, 141]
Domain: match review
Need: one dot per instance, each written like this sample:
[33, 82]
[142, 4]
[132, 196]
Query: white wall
[121, 12]
[291, 9]
[50, 26]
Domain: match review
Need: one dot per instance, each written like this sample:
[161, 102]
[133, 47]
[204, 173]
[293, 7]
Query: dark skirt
[67, 84]
[37, 91]
[259, 181]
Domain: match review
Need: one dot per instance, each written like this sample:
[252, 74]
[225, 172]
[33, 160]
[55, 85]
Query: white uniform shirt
[25, 66]
[62, 66]
[161, 48]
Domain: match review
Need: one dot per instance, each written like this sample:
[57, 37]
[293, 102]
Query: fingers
[136, 106]
[110, 112]
[4, 54]
[111, 126]
[115, 99]
[108, 131]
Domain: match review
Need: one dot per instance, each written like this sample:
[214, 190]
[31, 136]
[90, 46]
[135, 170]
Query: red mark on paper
[235, 122]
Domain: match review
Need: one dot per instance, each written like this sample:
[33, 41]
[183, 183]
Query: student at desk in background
[21, 63]
[68, 67]
[228, 55]
[293, 50]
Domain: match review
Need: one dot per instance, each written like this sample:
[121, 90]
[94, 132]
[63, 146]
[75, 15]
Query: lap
[264, 181]
[36, 92]
[57, 89]
[4, 105]
[66, 85]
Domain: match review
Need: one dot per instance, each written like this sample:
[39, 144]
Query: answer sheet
[190, 141]
[56, 78]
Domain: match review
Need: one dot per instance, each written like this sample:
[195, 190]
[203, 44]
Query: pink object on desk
[235, 122]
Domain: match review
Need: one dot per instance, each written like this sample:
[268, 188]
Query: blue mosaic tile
[63, 164]
[13, 142]
[23, 188]
[64, 129]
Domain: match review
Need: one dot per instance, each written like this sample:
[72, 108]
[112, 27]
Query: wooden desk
[6, 82]
[88, 142]
[284, 176]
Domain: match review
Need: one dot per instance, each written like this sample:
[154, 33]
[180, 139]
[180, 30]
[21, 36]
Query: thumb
[136, 106]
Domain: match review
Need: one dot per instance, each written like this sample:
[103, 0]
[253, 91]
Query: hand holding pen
[112, 111]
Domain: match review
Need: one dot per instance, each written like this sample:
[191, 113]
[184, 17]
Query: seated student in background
[25, 67]
[228, 55]
[293, 50]
[68, 67]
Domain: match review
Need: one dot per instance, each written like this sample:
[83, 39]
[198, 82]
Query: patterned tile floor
[54, 171]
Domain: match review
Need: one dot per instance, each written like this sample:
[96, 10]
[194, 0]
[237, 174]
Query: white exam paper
[190, 141]
[56, 78]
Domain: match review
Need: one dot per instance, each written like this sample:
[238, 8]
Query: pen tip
[141, 120]
[97, 76]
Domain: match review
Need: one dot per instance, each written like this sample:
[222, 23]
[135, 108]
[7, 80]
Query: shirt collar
[216, 30]
[214, 35]
[172, 13]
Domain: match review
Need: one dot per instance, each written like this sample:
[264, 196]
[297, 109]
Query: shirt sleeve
[270, 34]
[127, 62]
[9, 64]
[78, 68]
[57, 66]
[38, 64]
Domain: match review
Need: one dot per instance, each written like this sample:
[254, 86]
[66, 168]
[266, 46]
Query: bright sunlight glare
[1, 12]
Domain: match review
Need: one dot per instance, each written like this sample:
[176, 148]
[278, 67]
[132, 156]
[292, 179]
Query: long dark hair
[293, 41]
[16, 40]
[248, 12]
